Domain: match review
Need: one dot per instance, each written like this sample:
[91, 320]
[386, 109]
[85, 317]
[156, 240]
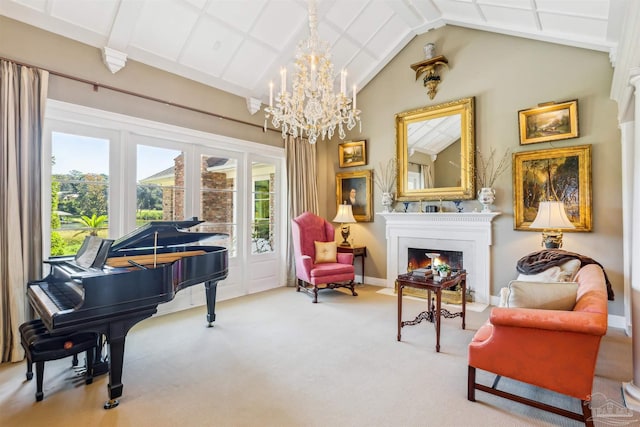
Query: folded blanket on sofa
[540, 261]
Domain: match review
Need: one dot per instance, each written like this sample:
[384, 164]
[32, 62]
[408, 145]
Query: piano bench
[40, 346]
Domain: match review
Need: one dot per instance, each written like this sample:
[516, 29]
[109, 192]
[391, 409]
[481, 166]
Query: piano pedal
[79, 370]
[111, 403]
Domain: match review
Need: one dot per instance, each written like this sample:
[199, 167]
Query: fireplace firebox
[417, 258]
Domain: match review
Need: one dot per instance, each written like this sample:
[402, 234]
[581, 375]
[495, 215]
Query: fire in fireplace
[417, 258]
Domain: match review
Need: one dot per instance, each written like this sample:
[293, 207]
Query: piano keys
[110, 286]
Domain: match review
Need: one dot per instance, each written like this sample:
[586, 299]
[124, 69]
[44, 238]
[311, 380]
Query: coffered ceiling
[239, 45]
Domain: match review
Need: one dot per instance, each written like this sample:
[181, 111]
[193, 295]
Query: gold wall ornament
[430, 67]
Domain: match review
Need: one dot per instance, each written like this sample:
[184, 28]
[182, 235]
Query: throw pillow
[326, 252]
[549, 275]
[547, 296]
[569, 270]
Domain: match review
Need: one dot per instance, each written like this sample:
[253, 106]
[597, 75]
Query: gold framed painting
[352, 153]
[549, 122]
[355, 189]
[559, 173]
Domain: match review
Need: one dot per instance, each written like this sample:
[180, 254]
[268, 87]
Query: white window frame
[251, 209]
[125, 132]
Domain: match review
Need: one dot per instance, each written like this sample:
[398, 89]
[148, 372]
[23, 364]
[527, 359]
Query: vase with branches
[488, 169]
[385, 180]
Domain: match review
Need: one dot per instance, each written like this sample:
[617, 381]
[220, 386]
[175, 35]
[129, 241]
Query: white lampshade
[345, 214]
[552, 218]
[551, 215]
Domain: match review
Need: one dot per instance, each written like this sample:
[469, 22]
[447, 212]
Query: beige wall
[23, 43]
[446, 174]
[504, 74]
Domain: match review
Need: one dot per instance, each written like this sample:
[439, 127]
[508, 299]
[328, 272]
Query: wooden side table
[433, 313]
[357, 251]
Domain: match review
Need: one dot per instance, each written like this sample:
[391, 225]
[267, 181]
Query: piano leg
[116, 359]
[116, 336]
[211, 287]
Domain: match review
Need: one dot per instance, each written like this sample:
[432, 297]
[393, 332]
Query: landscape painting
[557, 174]
[549, 122]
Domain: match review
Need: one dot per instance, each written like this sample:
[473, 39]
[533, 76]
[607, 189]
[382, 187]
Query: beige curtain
[23, 92]
[302, 189]
[427, 176]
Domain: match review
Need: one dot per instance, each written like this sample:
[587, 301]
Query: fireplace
[417, 258]
[468, 233]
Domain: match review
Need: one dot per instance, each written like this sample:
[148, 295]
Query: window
[218, 199]
[263, 176]
[160, 184]
[127, 171]
[79, 190]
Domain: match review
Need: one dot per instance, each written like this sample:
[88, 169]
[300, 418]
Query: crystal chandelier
[312, 109]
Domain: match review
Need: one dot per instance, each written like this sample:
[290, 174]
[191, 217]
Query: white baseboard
[375, 281]
[616, 321]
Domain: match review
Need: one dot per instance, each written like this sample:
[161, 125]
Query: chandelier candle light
[312, 109]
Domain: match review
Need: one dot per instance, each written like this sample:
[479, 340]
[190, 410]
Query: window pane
[218, 199]
[160, 189]
[263, 176]
[79, 191]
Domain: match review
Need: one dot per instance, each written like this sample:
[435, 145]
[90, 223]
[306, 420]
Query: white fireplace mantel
[466, 232]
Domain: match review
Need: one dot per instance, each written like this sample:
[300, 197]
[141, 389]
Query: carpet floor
[276, 359]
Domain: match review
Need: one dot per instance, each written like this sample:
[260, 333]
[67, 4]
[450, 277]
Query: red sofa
[552, 349]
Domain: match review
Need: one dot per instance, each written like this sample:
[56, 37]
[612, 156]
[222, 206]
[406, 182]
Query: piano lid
[170, 233]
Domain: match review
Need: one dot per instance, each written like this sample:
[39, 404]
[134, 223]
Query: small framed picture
[549, 122]
[353, 153]
[355, 189]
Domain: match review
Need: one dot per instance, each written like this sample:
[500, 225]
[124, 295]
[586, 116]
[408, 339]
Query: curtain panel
[23, 94]
[302, 189]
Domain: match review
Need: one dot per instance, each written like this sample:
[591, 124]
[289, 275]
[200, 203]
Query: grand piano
[109, 286]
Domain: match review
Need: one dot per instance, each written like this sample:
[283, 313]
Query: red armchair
[319, 268]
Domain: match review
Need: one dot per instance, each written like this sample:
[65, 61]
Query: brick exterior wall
[217, 199]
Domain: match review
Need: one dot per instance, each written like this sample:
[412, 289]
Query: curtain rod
[97, 85]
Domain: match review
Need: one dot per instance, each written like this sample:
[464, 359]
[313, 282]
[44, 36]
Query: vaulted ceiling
[239, 45]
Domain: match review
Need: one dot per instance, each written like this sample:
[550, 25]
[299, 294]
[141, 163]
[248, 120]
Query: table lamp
[552, 218]
[345, 217]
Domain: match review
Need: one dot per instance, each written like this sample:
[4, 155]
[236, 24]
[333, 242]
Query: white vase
[387, 201]
[429, 50]
[486, 197]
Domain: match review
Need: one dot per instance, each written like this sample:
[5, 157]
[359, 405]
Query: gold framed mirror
[436, 152]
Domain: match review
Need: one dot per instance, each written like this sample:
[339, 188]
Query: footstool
[40, 346]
